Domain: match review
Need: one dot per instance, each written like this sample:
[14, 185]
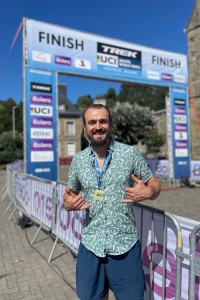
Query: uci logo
[41, 110]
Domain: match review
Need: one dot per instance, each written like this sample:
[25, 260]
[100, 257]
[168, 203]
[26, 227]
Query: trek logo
[179, 101]
[109, 60]
[41, 87]
[118, 51]
[36, 110]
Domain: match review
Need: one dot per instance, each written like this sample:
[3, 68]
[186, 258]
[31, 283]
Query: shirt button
[105, 218]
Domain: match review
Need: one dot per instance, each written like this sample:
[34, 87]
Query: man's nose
[98, 125]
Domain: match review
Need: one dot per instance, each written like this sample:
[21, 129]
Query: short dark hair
[96, 106]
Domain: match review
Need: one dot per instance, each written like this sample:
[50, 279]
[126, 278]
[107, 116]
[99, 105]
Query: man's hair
[96, 106]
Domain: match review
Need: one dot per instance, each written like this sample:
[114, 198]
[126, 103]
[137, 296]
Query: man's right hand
[73, 201]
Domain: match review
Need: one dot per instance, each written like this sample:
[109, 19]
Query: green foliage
[84, 101]
[143, 95]
[6, 118]
[153, 140]
[130, 122]
[11, 149]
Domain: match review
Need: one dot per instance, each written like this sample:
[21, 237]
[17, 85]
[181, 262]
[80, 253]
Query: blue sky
[156, 23]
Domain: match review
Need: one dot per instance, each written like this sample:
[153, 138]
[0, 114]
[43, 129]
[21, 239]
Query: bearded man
[112, 176]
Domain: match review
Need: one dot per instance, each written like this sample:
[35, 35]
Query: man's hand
[73, 200]
[139, 192]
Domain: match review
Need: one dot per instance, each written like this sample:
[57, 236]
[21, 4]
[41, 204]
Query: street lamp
[13, 120]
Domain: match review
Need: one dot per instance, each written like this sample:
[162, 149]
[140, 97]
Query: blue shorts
[123, 274]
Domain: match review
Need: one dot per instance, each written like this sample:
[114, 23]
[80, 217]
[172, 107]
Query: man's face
[97, 126]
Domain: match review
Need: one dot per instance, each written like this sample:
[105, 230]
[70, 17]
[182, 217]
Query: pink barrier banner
[23, 188]
[161, 271]
[42, 201]
[67, 225]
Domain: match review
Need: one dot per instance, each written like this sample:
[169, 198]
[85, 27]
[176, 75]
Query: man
[109, 253]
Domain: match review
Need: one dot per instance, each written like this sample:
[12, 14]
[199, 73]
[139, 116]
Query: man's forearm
[154, 187]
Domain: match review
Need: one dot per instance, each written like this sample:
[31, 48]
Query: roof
[65, 106]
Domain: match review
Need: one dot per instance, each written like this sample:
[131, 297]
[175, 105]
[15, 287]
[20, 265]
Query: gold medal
[98, 195]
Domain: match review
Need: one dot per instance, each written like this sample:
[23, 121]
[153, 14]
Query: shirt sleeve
[141, 169]
[73, 181]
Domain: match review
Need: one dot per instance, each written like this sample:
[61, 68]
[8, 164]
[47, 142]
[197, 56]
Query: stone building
[69, 126]
[193, 36]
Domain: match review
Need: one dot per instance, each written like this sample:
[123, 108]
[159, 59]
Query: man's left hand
[137, 193]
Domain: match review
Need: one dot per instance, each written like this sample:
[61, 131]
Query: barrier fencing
[170, 244]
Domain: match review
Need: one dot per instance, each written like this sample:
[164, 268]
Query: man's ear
[84, 131]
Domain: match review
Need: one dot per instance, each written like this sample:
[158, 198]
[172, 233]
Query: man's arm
[142, 191]
[72, 200]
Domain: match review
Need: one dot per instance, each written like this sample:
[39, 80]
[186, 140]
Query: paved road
[24, 270]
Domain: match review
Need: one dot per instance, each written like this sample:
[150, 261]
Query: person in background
[112, 176]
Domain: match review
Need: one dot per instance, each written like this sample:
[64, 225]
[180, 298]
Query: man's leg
[125, 274]
[91, 281]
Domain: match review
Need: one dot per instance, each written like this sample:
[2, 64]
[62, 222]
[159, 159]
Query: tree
[11, 149]
[6, 116]
[110, 97]
[143, 95]
[84, 101]
[153, 140]
[130, 122]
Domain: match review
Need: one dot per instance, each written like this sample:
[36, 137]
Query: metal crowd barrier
[160, 233]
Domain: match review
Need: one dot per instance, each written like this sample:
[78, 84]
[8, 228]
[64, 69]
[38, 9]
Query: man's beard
[100, 141]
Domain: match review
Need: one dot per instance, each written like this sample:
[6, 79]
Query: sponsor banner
[180, 135]
[42, 133]
[180, 119]
[41, 99]
[82, 63]
[161, 167]
[41, 145]
[180, 110]
[41, 56]
[66, 50]
[62, 60]
[195, 170]
[40, 110]
[41, 87]
[42, 156]
[181, 102]
[180, 129]
[41, 124]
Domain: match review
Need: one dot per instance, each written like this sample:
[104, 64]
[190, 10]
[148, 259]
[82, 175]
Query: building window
[70, 148]
[70, 127]
[61, 107]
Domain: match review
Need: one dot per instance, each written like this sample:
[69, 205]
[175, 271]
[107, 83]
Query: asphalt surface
[24, 269]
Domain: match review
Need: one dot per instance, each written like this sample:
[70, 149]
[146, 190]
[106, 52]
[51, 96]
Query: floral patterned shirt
[109, 225]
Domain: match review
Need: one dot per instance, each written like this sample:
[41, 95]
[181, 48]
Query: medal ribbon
[100, 173]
